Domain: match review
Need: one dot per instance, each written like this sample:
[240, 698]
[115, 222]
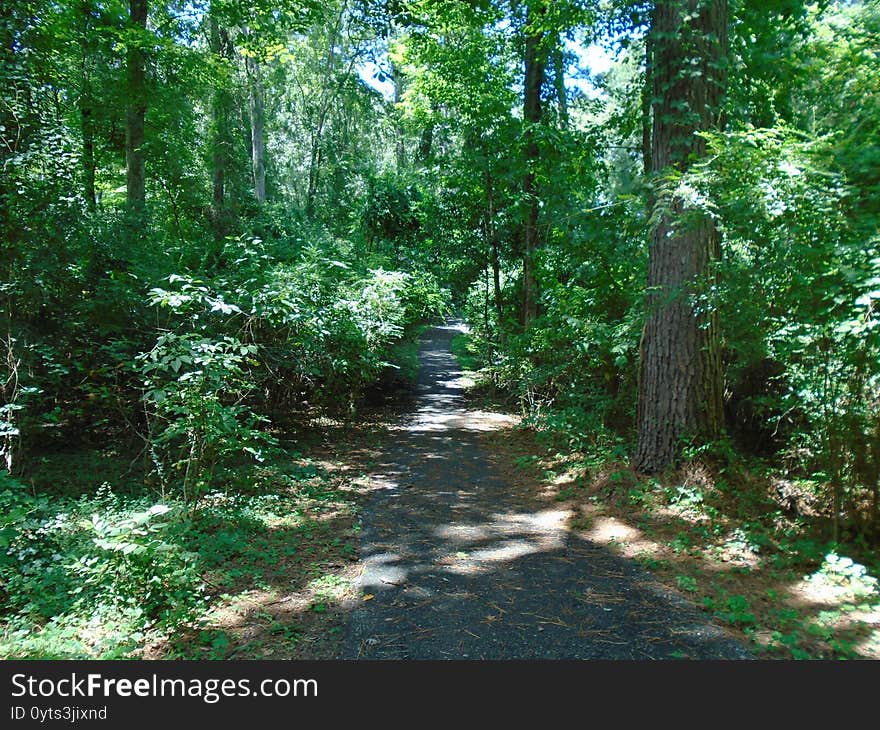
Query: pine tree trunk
[680, 383]
[137, 108]
[535, 64]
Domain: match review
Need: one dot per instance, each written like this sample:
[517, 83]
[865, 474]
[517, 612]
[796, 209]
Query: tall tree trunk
[647, 95]
[258, 146]
[496, 280]
[221, 142]
[535, 63]
[494, 255]
[315, 160]
[314, 172]
[86, 109]
[559, 83]
[399, 143]
[137, 109]
[680, 378]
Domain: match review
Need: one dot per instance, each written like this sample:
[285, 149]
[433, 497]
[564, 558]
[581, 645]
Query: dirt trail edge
[461, 559]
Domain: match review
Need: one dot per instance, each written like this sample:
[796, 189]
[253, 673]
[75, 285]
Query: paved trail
[463, 562]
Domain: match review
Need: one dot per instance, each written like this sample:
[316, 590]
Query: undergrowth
[747, 546]
[749, 542]
[107, 574]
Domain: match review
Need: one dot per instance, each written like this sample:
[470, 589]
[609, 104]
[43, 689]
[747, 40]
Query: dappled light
[684, 532]
[437, 419]
[463, 558]
[431, 330]
[607, 530]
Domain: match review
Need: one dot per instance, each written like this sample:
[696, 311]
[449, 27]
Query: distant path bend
[461, 560]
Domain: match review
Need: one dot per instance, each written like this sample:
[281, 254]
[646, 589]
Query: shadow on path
[462, 562]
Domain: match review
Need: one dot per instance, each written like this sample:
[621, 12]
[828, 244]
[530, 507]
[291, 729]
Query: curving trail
[463, 562]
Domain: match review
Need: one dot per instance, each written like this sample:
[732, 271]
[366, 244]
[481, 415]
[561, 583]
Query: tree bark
[258, 146]
[680, 380]
[535, 64]
[137, 108]
[221, 142]
[86, 109]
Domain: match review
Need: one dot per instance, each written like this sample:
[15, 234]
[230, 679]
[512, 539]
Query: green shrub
[88, 576]
[193, 391]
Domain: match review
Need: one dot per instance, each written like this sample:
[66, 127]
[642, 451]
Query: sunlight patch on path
[515, 535]
[433, 420]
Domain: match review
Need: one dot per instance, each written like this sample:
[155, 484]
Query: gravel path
[461, 561]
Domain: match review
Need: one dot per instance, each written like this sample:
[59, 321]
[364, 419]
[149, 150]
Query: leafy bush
[798, 303]
[194, 386]
[88, 576]
[574, 370]
[273, 333]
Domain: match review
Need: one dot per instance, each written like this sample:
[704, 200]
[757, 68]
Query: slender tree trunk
[535, 63]
[486, 304]
[315, 160]
[559, 83]
[647, 95]
[494, 255]
[86, 109]
[399, 145]
[221, 142]
[314, 173]
[258, 146]
[680, 383]
[137, 109]
[496, 279]
[88, 154]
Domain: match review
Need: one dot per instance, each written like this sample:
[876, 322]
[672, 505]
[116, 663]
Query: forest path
[463, 559]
